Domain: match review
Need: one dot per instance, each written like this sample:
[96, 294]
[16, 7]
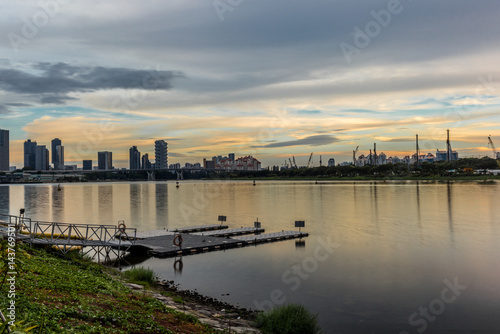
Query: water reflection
[37, 202]
[57, 203]
[135, 192]
[105, 200]
[450, 209]
[4, 200]
[161, 199]
[88, 199]
[398, 241]
[178, 266]
[300, 244]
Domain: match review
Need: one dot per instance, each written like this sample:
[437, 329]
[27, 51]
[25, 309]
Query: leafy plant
[288, 319]
[141, 275]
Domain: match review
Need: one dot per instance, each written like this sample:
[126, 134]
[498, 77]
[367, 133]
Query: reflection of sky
[398, 242]
[271, 73]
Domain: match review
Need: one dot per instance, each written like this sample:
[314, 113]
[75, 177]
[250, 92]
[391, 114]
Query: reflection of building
[4, 150]
[331, 162]
[29, 154]
[161, 154]
[104, 160]
[87, 164]
[134, 158]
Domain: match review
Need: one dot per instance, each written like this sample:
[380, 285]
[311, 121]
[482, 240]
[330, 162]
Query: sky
[272, 79]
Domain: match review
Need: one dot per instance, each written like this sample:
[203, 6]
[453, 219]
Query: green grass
[141, 276]
[74, 295]
[288, 319]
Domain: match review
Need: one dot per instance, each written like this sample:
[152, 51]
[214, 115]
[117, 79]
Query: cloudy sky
[267, 78]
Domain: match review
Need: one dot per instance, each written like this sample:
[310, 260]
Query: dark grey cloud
[55, 81]
[7, 107]
[177, 155]
[318, 140]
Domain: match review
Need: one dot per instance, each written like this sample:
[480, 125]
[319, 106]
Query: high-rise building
[4, 150]
[54, 143]
[29, 154]
[134, 158]
[104, 160]
[331, 162]
[59, 161]
[161, 154]
[231, 156]
[146, 164]
[41, 157]
[87, 165]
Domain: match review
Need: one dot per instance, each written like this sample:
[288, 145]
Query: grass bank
[74, 295]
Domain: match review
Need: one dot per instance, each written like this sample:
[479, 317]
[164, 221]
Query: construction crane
[354, 155]
[293, 156]
[291, 166]
[309, 162]
[490, 144]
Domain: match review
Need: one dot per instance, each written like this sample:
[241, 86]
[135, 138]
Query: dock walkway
[163, 246]
[231, 232]
[160, 243]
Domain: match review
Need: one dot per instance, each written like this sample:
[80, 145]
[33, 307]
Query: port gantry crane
[309, 162]
[354, 155]
[495, 153]
[490, 144]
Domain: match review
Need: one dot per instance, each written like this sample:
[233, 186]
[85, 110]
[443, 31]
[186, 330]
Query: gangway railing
[70, 235]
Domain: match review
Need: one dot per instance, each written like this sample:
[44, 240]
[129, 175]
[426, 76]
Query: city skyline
[268, 80]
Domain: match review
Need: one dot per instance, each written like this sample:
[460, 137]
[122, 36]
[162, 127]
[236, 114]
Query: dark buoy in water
[253, 182]
[59, 187]
[177, 184]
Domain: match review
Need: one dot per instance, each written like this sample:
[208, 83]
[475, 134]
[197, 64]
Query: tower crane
[291, 166]
[309, 162]
[490, 144]
[293, 156]
[354, 155]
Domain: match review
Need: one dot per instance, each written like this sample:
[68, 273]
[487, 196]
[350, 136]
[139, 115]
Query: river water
[381, 257]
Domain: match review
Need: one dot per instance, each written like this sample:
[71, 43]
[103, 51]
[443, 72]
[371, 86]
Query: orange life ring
[122, 227]
[178, 240]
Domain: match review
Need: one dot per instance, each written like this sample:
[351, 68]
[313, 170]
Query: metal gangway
[100, 239]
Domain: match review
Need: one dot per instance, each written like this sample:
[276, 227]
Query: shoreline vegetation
[462, 169]
[72, 294]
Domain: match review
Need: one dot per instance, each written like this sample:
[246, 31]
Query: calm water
[399, 257]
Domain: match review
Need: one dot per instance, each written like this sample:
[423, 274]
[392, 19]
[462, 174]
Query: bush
[288, 319]
[141, 275]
